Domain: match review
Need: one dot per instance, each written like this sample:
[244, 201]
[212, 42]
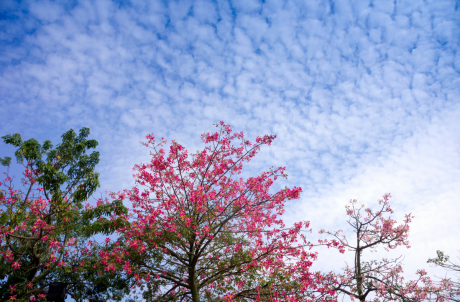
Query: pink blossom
[16, 265]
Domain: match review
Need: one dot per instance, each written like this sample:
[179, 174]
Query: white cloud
[422, 173]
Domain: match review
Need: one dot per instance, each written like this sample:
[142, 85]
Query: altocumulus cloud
[363, 95]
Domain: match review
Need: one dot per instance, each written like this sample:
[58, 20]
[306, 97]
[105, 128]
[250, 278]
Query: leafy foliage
[44, 227]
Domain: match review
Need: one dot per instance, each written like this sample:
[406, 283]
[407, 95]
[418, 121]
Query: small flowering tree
[44, 227]
[381, 278]
[442, 260]
[201, 233]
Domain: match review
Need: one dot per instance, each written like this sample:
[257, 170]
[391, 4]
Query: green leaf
[14, 139]
[6, 161]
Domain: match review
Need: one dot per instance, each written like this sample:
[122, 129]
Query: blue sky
[364, 96]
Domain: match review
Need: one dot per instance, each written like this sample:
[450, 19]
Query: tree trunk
[192, 272]
[193, 287]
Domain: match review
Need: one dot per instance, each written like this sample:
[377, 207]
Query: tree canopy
[45, 225]
[202, 233]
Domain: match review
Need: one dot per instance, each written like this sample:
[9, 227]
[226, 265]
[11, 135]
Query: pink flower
[13, 298]
[12, 289]
[16, 265]
[127, 267]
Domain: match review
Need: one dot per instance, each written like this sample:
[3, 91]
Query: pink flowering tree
[380, 280]
[200, 232]
[44, 225]
[443, 260]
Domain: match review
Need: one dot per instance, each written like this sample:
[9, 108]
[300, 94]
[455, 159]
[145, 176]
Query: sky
[364, 96]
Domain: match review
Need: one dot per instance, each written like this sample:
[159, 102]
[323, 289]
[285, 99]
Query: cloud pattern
[363, 95]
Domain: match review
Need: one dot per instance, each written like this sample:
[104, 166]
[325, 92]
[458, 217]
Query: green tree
[44, 227]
